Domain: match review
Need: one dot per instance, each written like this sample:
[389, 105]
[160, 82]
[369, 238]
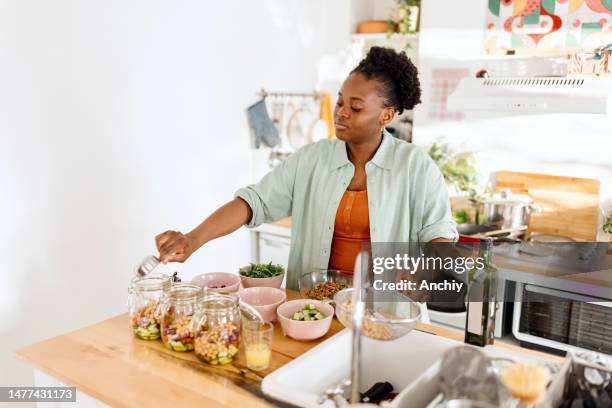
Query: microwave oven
[560, 321]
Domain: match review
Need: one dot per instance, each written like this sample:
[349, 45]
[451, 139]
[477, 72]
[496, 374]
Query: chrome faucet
[357, 317]
[337, 393]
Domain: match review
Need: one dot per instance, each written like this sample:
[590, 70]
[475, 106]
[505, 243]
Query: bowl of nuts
[323, 284]
[388, 314]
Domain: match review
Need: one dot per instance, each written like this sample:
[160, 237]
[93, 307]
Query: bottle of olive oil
[482, 298]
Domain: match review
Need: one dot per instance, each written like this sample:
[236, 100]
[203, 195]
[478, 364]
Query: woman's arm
[437, 221]
[174, 246]
[441, 240]
[266, 201]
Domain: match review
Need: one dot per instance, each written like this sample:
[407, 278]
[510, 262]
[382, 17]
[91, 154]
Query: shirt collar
[383, 157]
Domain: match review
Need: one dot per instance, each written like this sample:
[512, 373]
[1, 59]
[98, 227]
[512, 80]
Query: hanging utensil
[298, 129]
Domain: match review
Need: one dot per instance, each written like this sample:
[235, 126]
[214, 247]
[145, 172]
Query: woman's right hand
[174, 246]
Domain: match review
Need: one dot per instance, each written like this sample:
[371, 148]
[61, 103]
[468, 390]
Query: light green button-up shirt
[407, 199]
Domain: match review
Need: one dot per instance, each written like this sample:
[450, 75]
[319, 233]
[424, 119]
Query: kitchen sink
[410, 364]
[399, 362]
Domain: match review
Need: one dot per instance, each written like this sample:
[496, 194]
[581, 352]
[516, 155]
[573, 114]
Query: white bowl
[304, 330]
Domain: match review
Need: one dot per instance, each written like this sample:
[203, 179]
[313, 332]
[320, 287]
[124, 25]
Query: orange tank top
[351, 228]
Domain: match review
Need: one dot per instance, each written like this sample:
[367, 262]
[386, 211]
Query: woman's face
[360, 113]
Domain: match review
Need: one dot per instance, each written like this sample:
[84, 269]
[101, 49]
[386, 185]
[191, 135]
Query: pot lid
[505, 196]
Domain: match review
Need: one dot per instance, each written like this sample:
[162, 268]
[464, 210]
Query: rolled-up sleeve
[272, 198]
[437, 219]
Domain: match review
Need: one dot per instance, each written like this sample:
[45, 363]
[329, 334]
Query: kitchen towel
[262, 126]
[327, 115]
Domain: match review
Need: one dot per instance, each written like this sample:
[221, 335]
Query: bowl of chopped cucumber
[305, 319]
[262, 274]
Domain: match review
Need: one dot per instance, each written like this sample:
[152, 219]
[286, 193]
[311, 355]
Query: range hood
[534, 95]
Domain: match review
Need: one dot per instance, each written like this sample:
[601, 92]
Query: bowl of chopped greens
[262, 274]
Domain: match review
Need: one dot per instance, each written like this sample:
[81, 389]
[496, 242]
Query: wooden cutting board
[570, 204]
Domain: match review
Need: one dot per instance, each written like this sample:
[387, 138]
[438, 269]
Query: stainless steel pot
[505, 210]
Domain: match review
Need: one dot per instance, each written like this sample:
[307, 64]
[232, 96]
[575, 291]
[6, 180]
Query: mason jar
[144, 295]
[216, 327]
[179, 304]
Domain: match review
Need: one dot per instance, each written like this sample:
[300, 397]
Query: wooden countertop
[107, 362]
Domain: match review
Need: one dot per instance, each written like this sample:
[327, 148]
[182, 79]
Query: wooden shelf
[384, 36]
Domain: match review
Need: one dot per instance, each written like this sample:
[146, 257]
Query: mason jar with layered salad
[179, 304]
[143, 302]
[217, 329]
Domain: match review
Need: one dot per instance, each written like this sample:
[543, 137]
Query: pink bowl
[218, 281]
[264, 299]
[308, 330]
[273, 282]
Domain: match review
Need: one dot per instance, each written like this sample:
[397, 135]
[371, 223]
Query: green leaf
[263, 270]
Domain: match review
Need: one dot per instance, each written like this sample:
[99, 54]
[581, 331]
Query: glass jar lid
[219, 303]
[151, 282]
[184, 292]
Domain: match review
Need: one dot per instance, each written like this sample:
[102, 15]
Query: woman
[365, 186]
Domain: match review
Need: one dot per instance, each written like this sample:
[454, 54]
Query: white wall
[452, 35]
[119, 120]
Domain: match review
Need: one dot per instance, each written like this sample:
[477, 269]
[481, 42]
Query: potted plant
[407, 17]
[457, 167]
[606, 225]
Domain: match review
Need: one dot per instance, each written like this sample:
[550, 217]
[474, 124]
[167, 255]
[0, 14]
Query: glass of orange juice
[257, 338]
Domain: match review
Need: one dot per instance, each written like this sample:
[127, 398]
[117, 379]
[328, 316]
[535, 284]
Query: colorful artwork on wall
[547, 25]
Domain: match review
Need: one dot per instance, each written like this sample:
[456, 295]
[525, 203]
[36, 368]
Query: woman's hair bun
[397, 74]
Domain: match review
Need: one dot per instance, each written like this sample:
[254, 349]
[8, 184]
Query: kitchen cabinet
[273, 248]
[271, 243]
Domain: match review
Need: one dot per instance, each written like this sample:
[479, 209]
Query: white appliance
[534, 95]
[562, 320]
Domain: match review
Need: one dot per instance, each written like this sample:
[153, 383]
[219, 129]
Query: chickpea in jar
[217, 329]
[218, 345]
[176, 334]
[178, 306]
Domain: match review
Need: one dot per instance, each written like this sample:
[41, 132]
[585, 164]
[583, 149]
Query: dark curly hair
[400, 86]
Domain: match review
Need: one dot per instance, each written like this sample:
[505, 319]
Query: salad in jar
[145, 323]
[218, 345]
[178, 307]
[176, 334]
[217, 327]
[143, 301]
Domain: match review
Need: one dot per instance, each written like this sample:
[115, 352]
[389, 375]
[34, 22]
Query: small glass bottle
[482, 298]
[179, 304]
[143, 299]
